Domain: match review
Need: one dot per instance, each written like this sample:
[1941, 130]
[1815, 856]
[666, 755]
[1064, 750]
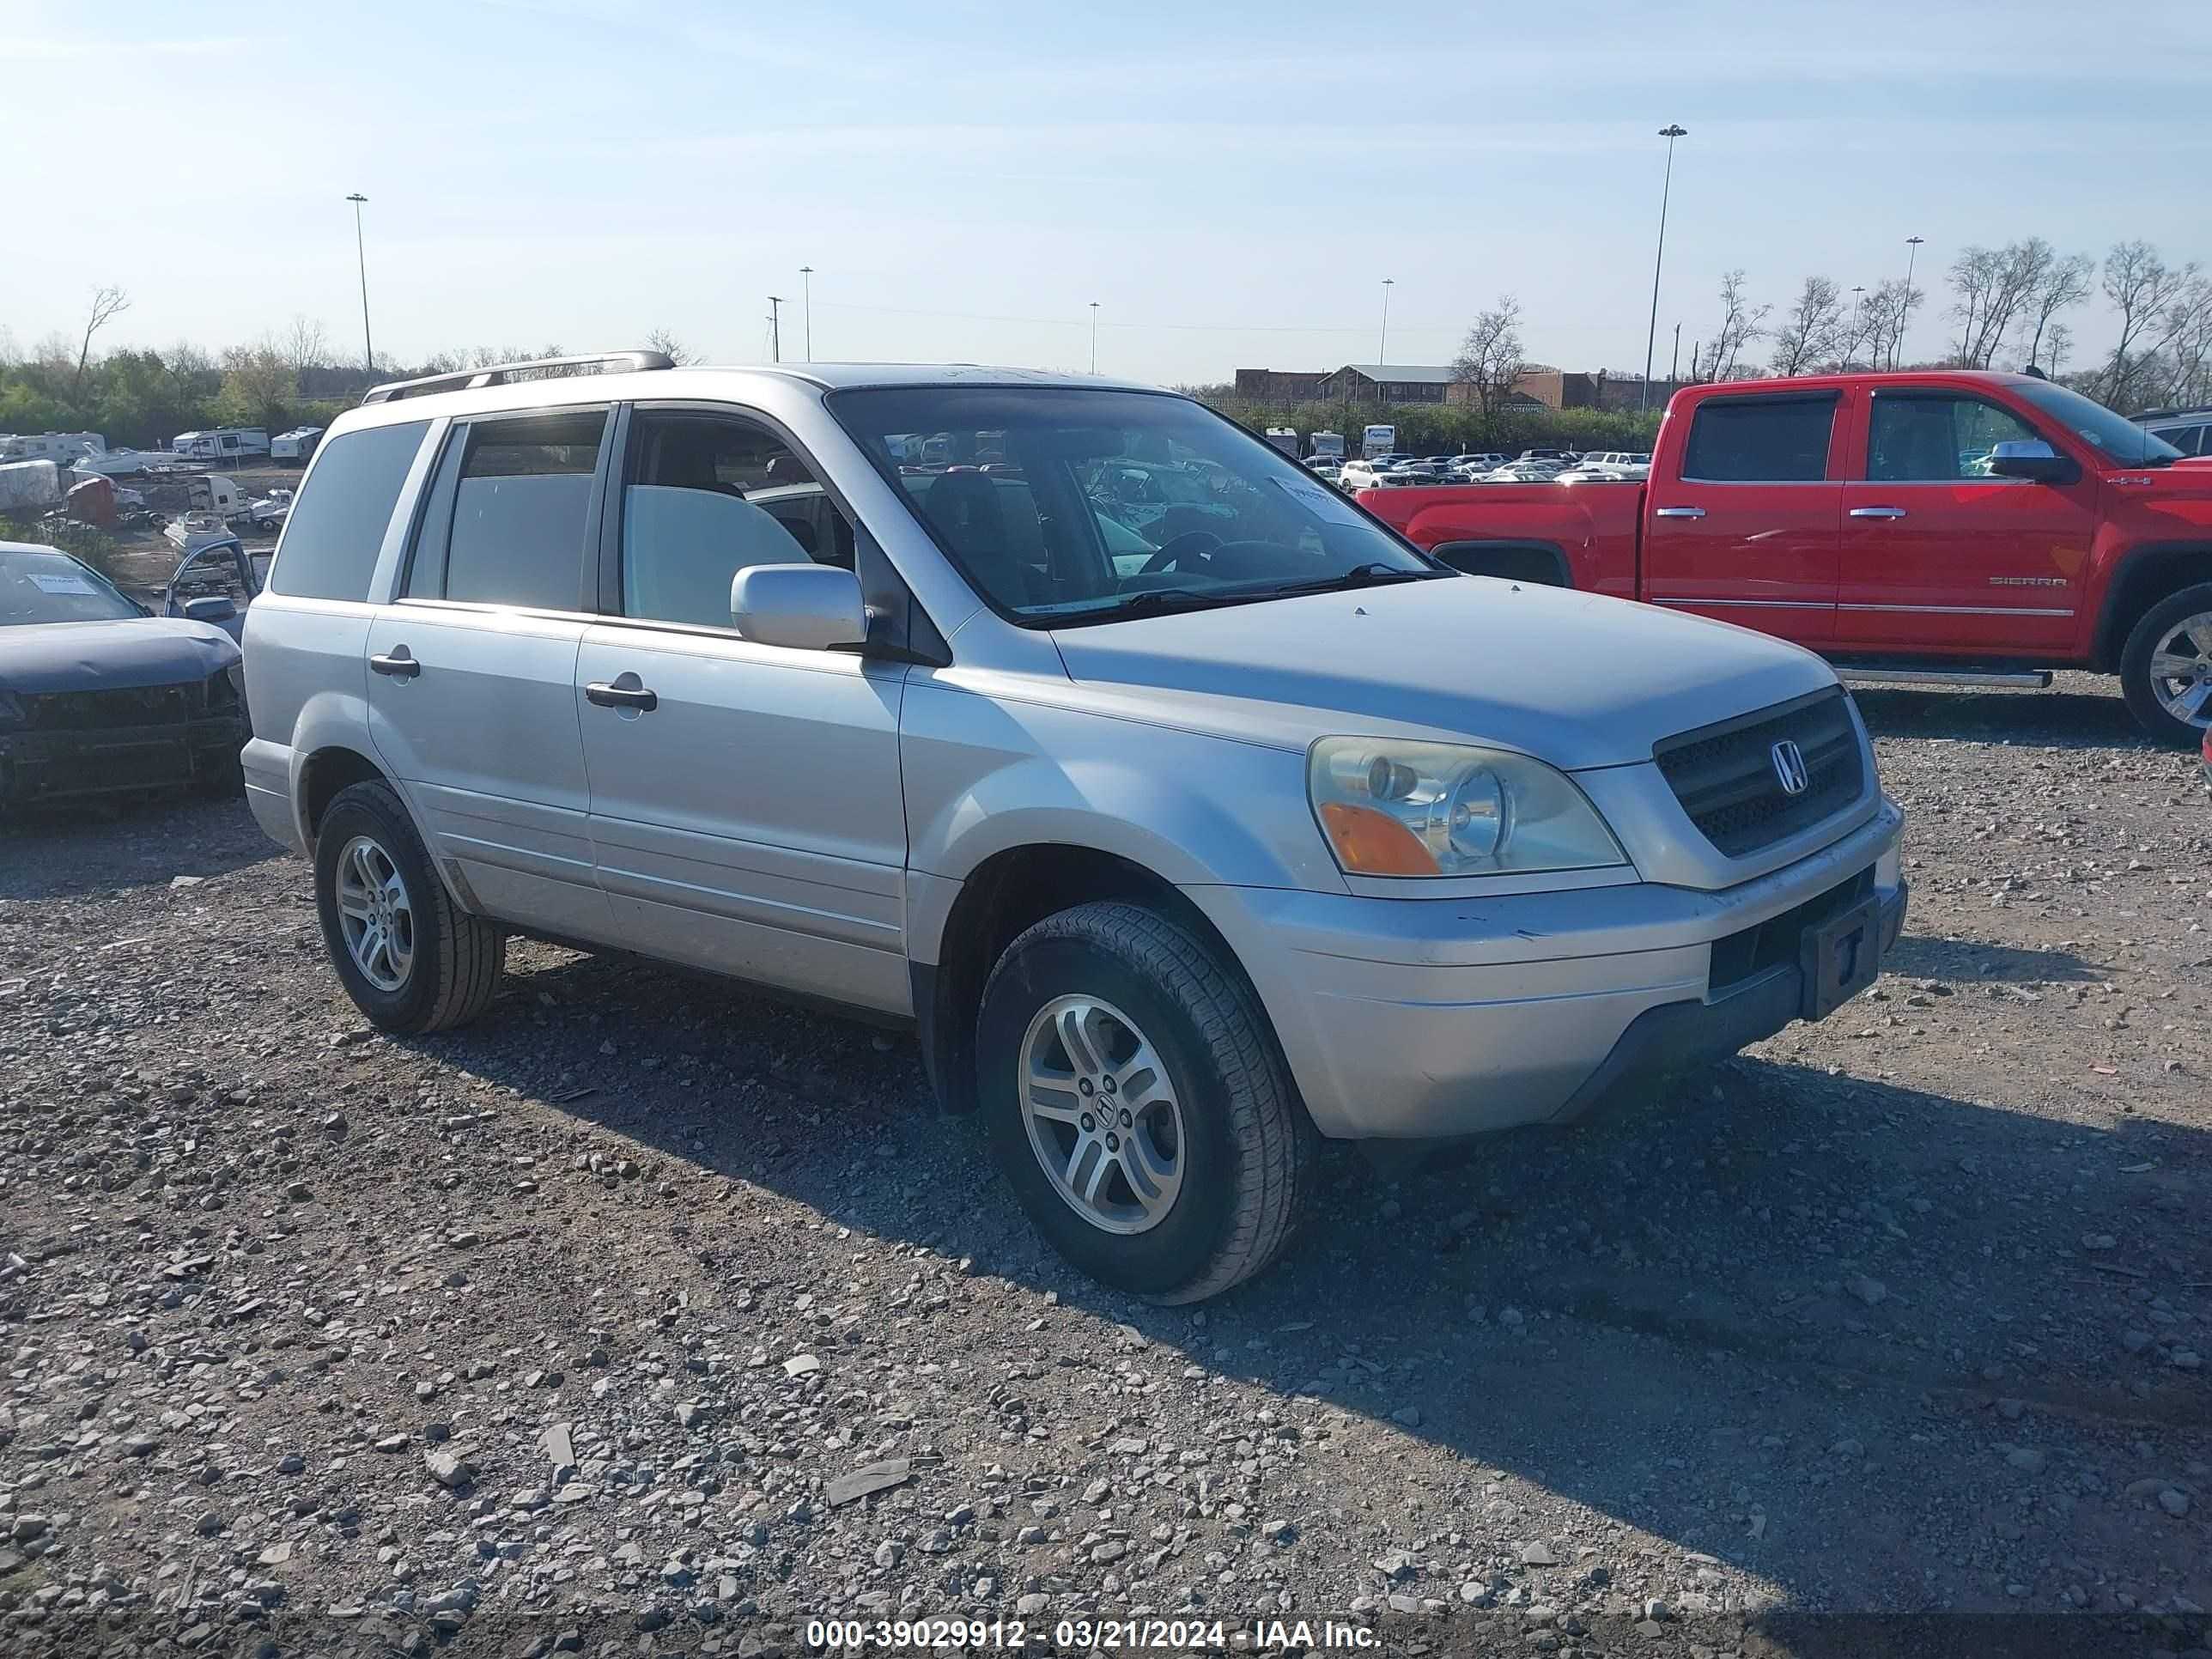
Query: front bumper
[1434, 1018]
[43, 766]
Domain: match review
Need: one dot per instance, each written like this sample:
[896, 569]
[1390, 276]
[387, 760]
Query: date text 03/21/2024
[1082, 1635]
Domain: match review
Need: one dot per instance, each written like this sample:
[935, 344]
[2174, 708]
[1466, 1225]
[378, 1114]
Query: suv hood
[1576, 679]
[111, 656]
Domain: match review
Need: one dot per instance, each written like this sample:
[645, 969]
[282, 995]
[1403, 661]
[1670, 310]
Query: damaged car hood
[42, 658]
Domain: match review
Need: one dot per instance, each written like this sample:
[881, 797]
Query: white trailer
[29, 486]
[226, 443]
[1329, 445]
[61, 448]
[295, 445]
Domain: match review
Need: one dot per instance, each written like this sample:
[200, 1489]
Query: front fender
[985, 776]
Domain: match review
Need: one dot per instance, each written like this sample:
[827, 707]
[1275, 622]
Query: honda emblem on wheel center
[1789, 768]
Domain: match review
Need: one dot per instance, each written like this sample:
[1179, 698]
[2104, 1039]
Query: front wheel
[2166, 667]
[409, 958]
[1135, 1100]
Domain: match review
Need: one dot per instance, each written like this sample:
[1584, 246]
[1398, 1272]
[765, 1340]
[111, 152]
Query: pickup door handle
[1678, 511]
[621, 696]
[1877, 512]
[399, 663]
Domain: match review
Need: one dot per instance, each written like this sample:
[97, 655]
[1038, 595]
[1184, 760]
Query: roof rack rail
[467, 380]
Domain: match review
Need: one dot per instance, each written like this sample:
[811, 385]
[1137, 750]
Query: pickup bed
[1965, 527]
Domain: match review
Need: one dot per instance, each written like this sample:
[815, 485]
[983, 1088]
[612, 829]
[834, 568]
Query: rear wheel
[2166, 667]
[409, 956]
[1135, 1100]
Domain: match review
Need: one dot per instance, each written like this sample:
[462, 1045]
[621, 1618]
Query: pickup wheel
[2166, 667]
[409, 956]
[1135, 1100]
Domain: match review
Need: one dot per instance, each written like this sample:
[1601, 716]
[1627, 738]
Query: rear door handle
[1877, 512]
[400, 663]
[621, 696]
[1678, 511]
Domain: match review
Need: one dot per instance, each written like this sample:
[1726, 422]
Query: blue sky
[1231, 182]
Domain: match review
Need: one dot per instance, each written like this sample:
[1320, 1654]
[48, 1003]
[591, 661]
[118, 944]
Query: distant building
[1392, 383]
[1280, 385]
[1540, 386]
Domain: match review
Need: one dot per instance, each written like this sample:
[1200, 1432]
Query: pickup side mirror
[2031, 457]
[808, 607]
[215, 608]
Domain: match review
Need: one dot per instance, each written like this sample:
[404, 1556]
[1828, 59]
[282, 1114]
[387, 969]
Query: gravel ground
[647, 1312]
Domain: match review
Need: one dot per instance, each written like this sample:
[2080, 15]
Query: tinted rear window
[332, 539]
[521, 509]
[1760, 441]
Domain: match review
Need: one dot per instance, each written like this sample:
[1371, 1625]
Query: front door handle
[621, 696]
[1678, 511]
[1877, 512]
[400, 663]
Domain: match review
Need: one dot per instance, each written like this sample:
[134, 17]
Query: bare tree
[1742, 323]
[661, 339]
[1813, 331]
[2064, 284]
[1490, 358]
[106, 302]
[2058, 343]
[1998, 288]
[304, 345]
[2184, 351]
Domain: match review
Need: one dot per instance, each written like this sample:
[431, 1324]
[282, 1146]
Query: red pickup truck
[1946, 527]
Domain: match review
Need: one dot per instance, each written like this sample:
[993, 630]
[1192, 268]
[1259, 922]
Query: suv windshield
[2115, 436]
[1069, 505]
[40, 586]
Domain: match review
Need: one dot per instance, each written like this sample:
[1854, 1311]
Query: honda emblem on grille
[1789, 768]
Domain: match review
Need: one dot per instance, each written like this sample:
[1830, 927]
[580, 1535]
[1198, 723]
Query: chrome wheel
[2181, 670]
[376, 915]
[1102, 1115]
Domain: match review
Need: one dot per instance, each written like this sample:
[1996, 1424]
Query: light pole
[1858, 319]
[806, 276]
[1904, 303]
[1675, 367]
[1383, 345]
[775, 328]
[361, 257]
[1670, 132]
[1094, 337]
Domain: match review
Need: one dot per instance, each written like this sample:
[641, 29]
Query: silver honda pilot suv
[1187, 814]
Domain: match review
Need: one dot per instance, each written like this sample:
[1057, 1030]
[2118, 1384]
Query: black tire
[457, 957]
[1248, 1150]
[2136, 684]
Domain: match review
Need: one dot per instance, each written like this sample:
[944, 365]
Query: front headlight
[1394, 808]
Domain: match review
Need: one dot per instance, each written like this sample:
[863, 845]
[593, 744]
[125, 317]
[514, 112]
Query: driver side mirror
[216, 608]
[807, 607]
[2031, 457]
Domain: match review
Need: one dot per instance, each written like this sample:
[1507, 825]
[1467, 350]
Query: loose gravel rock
[646, 1312]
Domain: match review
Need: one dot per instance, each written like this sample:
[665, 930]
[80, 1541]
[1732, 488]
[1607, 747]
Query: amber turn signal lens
[1372, 843]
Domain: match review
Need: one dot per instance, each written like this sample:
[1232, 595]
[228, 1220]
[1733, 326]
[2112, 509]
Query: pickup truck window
[2114, 436]
[1760, 441]
[1920, 437]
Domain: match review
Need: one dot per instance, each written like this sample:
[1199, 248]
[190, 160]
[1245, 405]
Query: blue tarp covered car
[98, 696]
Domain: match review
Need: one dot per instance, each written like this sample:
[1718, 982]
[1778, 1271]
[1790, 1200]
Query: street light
[807, 276]
[775, 327]
[1383, 345]
[1094, 337]
[1670, 132]
[1858, 318]
[361, 257]
[1905, 304]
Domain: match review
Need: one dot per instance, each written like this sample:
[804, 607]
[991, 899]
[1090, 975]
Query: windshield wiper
[1152, 602]
[1373, 574]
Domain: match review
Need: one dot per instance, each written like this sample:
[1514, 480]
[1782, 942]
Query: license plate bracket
[1840, 958]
